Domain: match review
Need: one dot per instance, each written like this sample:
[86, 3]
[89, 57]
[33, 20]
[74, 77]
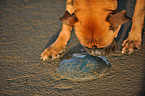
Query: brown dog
[96, 24]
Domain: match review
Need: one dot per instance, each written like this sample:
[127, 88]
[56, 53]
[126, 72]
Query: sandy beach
[29, 26]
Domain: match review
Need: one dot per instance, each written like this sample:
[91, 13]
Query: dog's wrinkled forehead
[114, 18]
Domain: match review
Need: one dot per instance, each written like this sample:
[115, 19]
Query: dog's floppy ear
[118, 18]
[69, 19]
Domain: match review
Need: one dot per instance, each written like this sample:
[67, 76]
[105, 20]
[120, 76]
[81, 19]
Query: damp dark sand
[28, 26]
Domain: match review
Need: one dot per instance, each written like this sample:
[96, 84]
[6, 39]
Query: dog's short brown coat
[96, 24]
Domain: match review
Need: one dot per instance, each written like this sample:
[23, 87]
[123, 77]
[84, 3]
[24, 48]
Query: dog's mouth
[102, 51]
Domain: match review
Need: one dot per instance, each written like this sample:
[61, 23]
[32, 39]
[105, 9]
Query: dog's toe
[52, 53]
[130, 45]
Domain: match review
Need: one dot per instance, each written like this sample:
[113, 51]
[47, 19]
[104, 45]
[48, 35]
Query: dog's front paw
[130, 45]
[52, 53]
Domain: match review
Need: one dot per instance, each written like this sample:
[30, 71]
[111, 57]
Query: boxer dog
[96, 24]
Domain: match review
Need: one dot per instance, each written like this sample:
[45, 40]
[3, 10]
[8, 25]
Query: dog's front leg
[59, 45]
[135, 35]
[54, 50]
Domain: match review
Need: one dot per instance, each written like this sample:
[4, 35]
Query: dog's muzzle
[101, 51]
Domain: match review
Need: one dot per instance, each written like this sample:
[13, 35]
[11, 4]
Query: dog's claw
[43, 59]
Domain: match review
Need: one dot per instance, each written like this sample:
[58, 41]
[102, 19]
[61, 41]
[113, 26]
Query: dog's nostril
[94, 47]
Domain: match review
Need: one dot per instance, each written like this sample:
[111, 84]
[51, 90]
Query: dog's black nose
[94, 47]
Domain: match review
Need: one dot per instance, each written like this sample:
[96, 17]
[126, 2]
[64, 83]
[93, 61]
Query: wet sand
[29, 26]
